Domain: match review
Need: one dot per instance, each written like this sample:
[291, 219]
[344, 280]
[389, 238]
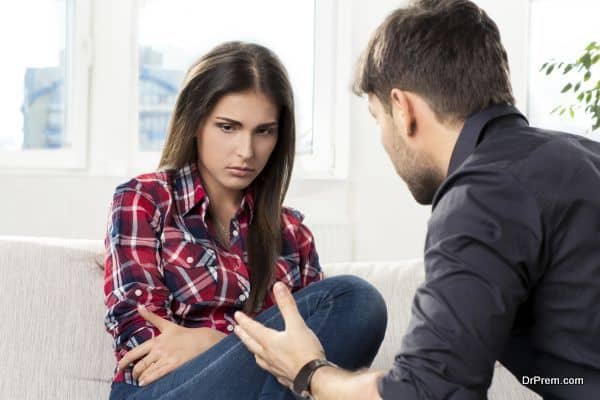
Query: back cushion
[52, 339]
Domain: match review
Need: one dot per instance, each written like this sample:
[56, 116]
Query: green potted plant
[584, 88]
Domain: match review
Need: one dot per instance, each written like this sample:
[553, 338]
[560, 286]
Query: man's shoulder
[524, 149]
[539, 160]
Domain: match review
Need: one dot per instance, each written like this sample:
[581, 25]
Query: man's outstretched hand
[284, 353]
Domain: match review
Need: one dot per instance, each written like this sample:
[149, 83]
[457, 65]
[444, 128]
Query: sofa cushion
[52, 339]
[397, 282]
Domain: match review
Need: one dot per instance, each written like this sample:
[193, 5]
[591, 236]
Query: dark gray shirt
[512, 262]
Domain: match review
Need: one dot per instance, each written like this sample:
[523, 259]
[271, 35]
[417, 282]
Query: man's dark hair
[447, 51]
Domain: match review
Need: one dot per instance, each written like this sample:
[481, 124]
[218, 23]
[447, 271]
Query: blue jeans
[346, 313]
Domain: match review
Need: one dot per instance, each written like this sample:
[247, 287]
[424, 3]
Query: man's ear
[403, 111]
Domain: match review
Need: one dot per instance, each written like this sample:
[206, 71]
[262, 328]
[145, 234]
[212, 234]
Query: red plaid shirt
[161, 254]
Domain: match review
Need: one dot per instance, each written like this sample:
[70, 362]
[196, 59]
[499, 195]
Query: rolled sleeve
[481, 257]
[132, 273]
[310, 268]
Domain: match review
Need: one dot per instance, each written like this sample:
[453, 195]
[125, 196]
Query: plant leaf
[586, 60]
[568, 68]
[587, 76]
[566, 88]
[555, 109]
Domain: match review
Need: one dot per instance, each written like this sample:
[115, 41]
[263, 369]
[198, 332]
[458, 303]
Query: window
[94, 82]
[42, 122]
[171, 38]
[559, 30]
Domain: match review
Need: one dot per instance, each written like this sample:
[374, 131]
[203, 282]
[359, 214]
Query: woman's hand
[173, 347]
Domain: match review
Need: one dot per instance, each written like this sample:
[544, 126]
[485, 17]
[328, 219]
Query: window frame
[78, 48]
[575, 126]
[331, 99]
[104, 127]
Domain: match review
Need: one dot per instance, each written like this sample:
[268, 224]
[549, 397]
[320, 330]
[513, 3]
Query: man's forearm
[330, 383]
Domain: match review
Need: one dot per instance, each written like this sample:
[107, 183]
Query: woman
[207, 235]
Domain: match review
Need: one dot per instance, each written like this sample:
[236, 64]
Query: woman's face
[236, 140]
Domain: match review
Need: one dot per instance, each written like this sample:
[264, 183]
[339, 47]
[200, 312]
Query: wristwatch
[301, 384]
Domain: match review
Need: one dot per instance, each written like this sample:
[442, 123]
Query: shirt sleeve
[483, 243]
[310, 268]
[132, 273]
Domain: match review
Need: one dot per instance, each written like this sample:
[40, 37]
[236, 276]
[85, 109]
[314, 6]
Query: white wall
[370, 216]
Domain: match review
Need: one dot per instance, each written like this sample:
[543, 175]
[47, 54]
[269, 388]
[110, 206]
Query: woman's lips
[240, 171]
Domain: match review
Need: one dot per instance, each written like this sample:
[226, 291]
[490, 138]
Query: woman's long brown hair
[229, 68]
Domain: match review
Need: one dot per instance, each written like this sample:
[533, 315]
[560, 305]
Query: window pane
[173, 34]
[560, 30]
[32, 100]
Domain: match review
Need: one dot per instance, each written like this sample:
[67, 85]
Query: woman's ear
[402, 111]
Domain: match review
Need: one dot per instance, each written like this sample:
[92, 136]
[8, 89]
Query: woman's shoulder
[153, 186]
[295, 230]
[293, 223]
[291, 216]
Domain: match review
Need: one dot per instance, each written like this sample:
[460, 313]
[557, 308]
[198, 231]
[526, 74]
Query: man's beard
[418, 172]
[424, 186]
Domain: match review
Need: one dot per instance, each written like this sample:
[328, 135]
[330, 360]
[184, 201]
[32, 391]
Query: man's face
[413, 166]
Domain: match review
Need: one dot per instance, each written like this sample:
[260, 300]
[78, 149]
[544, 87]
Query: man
[512, 254]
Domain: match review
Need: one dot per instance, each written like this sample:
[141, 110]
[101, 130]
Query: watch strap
[301, 384]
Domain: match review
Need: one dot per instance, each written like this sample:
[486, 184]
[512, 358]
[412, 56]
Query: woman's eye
[267, 131]
[226, 128]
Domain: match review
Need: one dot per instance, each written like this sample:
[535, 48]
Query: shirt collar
[189, 192]
[472, 132]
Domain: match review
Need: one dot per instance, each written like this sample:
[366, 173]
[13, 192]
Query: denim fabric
[346, 313]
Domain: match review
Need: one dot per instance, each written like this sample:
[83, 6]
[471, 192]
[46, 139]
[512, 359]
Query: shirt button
[230, 327]
[235, 233]
[138, 292]
[189, 259]
[242, 297]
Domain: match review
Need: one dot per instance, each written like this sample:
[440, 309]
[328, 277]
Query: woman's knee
[365, 301]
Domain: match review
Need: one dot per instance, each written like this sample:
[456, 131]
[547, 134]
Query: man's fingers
[252, 344]
[135, 353]
[254, 329]
[154, 319]
[287, 306]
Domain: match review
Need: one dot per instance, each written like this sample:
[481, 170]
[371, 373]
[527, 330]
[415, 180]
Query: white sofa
[52, 339]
